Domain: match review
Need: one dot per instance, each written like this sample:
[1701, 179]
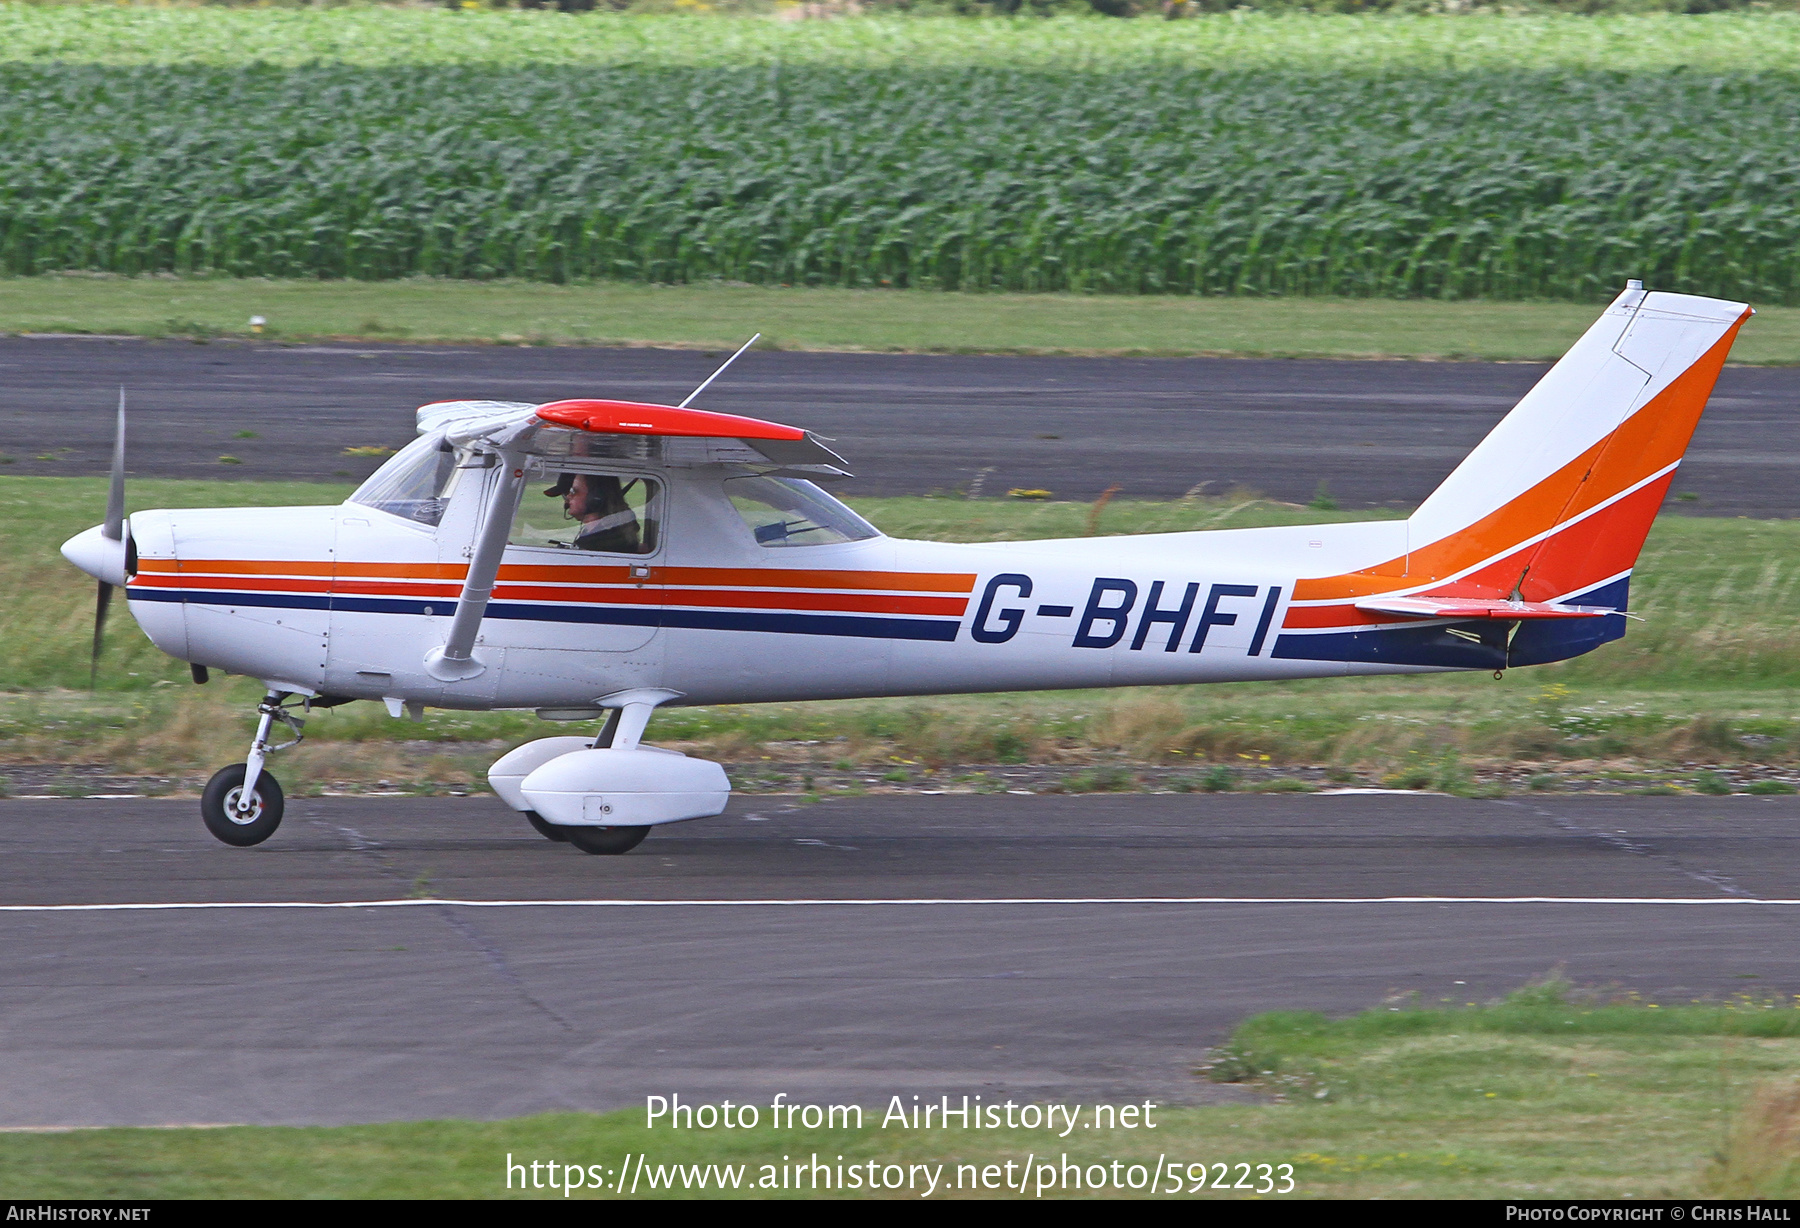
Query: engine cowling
[624, 788]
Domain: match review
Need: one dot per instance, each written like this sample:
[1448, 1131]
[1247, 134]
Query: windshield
[794, 512]
[415, 483]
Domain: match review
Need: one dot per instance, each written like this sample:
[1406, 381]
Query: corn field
[1145, 171]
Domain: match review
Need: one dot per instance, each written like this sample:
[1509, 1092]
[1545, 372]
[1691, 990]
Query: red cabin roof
[634, 418]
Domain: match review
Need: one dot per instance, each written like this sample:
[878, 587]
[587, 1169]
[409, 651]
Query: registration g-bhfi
[687, 557]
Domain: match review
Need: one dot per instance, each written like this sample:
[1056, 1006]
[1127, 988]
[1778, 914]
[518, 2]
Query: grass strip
[1546, 1094]
[713, 315]
[376, 35]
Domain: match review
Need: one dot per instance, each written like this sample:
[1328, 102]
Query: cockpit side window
[794, 512]
[609, 513]
[415, 483]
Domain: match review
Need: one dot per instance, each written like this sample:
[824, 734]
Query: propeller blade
[102, 600]
[114, 528]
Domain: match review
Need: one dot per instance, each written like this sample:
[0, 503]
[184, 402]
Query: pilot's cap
[564, 483]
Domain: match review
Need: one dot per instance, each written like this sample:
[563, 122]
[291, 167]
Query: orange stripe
[240, 586]
[590, 573]
[304, 567]
[1506, 525]
[571, 573]
[1307, 617]
[1605, 544]
[1653, 438]
[253, 567]
[1575, 557]
[400, 571]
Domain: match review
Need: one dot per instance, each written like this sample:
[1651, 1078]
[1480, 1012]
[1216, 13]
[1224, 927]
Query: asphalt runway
[1374, 432]
[729, 958]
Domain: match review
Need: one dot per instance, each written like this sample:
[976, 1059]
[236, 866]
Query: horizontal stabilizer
[1477, 607]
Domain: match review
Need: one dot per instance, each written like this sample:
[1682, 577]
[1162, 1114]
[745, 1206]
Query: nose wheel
[242, 803]
[237, 819]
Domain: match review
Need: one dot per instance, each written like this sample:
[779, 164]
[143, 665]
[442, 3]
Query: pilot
[598, 502]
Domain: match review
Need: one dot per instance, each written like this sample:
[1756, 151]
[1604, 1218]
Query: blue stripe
[1402, 645]
[278, 601]
[445, 606]
[937, 630]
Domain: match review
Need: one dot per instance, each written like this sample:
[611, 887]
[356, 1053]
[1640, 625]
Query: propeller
[112, 530]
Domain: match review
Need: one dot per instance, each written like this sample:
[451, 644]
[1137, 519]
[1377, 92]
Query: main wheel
[218, 806]
[547, 829]
[609, 841]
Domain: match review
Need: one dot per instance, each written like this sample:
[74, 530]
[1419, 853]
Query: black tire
[606, 841]
[221, 794]
[547, 829]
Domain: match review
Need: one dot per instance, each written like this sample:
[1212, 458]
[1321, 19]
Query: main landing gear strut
[242, 804]
[600, 841]
[603, 794]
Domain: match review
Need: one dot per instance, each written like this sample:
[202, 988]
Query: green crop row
[1124, 172]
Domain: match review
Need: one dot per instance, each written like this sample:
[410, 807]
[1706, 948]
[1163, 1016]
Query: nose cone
[97, 554]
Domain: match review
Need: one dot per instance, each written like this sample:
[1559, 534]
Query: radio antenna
[716, 374]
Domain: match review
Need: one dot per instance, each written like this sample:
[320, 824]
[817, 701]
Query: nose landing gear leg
[242, 804]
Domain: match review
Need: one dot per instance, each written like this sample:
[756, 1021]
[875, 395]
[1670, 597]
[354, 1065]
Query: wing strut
[456, 661]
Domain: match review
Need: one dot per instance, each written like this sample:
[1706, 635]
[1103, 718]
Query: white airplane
[687, 557]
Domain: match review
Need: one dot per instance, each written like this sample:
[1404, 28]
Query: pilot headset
[590, 505]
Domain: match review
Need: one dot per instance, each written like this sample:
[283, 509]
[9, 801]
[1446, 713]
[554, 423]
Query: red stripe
[873, 604]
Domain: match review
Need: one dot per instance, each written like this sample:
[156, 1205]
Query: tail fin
[1557, 500]
[1554, 505]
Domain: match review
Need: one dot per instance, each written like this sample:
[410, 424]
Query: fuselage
[689, 558]
[348, 600]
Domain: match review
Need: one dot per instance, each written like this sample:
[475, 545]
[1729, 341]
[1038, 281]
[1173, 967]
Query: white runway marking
[1026, 901]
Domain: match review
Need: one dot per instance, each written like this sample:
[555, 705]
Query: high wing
[543, 430]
